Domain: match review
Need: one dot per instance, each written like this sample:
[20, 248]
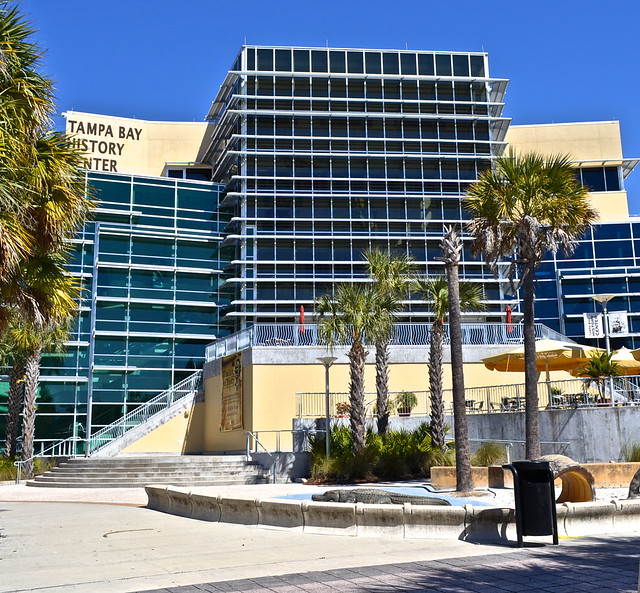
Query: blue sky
[164, 60]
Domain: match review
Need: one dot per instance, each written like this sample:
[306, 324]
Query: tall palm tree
[435, 291]
[30, 342]
[354, 313]
[25, 110]
[524, 206]
[391, 275]
[451, 249]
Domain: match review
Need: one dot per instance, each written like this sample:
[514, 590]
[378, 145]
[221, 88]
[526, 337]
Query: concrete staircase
[131, 472]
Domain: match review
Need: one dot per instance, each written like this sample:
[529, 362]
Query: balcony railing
[276, 335]
[552, 395]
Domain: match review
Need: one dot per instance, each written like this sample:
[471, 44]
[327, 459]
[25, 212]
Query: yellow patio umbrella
[551, 355]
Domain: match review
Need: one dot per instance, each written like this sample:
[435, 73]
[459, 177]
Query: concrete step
[168, 471]
[122, 472]
[130, 484]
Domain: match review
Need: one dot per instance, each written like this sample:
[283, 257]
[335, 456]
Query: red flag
[301, 330]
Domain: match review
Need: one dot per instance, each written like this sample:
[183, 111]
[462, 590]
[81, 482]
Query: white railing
[552, 395]
[68, 447]
[144, 412]
[404, 334]
[64, 448]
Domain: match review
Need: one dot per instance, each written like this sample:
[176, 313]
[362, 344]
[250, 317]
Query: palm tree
[524, 206]
[391, 275]
[30, 341]
[451, 250]
[599, 367]
[435, 291]
[25, 111]
[354, 313]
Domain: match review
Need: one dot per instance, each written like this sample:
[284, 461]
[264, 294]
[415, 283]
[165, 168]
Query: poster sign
[618, 323]
[231, 393]
[593, 327]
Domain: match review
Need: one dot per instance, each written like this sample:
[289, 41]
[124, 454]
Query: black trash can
[535, 499]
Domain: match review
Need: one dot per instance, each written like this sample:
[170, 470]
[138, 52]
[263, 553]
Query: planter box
[605, 475]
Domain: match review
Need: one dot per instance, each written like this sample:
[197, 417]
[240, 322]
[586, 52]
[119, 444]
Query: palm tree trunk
[532, 424]
[436, 340]
[382, 386]
[357, 357]
[31, 379]
[14, 407]
[452, 247]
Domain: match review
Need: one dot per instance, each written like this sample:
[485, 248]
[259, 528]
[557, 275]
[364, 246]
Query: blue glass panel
[612, 231]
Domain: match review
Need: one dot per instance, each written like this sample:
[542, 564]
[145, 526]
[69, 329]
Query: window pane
[318, 61]
[425, 64]
[265, 59]
[283, 60]
[408, 63]
[354, 62]
[373, 63]
[461, 65]
[391, 63]
[443, 64]
[337, 61]
[301, 60]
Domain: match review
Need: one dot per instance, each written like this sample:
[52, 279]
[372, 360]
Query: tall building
[308, 157]
[326, 153]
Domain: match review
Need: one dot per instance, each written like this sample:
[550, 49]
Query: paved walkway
[115, 545]
[602, 565]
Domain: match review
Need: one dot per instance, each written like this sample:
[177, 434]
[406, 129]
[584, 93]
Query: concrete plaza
[106, 541]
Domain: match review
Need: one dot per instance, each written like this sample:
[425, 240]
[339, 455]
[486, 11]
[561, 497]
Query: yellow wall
[581, 141]
[182, 434]
[272, 390]
[125, 145]
[592, 143]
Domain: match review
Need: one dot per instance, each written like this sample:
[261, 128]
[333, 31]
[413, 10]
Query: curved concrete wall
[468, 523]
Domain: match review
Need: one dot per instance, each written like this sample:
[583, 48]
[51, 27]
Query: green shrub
[490, 453]
[631, 451]
[8, 470]
[393, 456]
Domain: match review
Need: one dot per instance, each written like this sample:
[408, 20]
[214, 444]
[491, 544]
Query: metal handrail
[553, 395]
[63, 448]
[143, 413]
[275, 335]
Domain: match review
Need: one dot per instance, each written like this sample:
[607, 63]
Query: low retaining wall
[605, 475]
[468, 523]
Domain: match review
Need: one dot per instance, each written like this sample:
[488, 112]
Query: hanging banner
[593, 327]
[231, 417]
[618, 324]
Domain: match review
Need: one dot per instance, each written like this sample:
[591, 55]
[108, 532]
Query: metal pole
[327, 361]
[607, 344]
[327, 432]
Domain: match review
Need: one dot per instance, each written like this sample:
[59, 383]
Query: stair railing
[63, 448]
[143, 413]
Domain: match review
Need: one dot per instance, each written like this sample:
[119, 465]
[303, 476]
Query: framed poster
[231, 417]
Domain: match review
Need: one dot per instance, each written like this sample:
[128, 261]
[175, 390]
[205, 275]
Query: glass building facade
[606, 261]
[150, 265]
[326, 153]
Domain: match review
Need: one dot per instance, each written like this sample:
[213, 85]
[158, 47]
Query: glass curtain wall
[326, 153]
[606, 261]
[150, 264]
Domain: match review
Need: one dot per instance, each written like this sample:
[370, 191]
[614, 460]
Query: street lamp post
[604, 299]
[327, 361]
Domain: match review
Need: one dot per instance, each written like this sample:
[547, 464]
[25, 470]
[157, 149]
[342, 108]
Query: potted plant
[343, 409]
[405, 402]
